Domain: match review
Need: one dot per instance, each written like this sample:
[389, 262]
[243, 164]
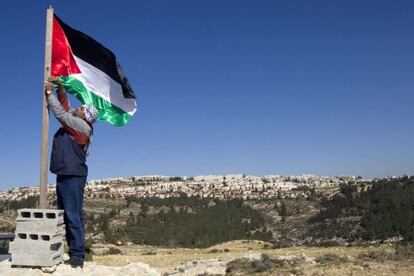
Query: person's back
[68, 157]
[68, 162]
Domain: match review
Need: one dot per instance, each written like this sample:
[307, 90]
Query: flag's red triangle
[63, 62]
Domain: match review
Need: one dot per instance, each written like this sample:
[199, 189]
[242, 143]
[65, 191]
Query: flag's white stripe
[104, 86]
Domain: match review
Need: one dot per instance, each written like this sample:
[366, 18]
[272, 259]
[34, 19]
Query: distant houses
[205, 186]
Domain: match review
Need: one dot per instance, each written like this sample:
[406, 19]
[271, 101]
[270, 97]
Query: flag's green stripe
[107, 111]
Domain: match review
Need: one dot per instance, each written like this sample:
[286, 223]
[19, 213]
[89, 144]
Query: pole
[45, 111]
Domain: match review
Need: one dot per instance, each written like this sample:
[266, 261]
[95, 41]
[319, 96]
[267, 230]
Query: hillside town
[204, 186]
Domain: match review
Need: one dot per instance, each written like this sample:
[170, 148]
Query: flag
[91, 73]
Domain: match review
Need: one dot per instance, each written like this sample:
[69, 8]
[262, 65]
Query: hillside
[354, 213]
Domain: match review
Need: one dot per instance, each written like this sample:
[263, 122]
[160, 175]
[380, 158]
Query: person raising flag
[68, 162]
[89, 71]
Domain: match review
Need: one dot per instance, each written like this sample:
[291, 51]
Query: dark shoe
[75, 262]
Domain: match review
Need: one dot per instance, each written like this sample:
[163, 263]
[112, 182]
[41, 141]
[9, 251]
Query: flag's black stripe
[94, 53]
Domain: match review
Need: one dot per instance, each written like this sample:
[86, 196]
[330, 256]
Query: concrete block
[36, 259]
[36, 246]
[37, 253]
[39, 214]
[30, 249]
[39, 238]
[41, 226]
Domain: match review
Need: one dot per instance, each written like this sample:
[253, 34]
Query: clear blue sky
[255, 87]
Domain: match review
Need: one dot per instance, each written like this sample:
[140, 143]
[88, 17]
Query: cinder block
[39, 214]
[33, 253]
[36, 246]
[41, 226]
[38, 241]
[36, 259]
[33, 249]
[39, 238]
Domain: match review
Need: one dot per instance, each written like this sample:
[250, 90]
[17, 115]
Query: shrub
[114, 251]
[404, 251]
[297, 271]
[282, 244]
[264, 264]
[330, 258]
[375, 256]
[329, 243]
[241, 265]
[88, 251]
[149, 253]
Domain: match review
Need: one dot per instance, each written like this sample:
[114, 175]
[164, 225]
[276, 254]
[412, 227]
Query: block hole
[38, 215]
[34, 236]
[55, 246]
[45, 237]
[22, 236]
[51, 215]
[25, 214]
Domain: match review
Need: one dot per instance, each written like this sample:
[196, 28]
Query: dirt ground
[164, 259]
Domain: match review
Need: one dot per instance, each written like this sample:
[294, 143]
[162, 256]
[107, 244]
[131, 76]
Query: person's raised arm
[55, 105]
[76, 126]
[61, 92]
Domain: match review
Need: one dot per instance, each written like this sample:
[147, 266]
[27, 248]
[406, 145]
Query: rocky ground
[90, 268]
[238, 258]
[259, 258]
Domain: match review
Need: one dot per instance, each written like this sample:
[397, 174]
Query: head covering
[90, 113]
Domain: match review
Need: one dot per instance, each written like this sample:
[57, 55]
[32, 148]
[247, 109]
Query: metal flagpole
[45, 112]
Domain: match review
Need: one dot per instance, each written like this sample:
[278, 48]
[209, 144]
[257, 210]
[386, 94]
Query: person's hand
[48, 86]
[54, 80]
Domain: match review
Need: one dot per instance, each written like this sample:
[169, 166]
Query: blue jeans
[69, 191]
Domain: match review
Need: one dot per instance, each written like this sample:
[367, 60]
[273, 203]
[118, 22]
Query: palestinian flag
[91, 73]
